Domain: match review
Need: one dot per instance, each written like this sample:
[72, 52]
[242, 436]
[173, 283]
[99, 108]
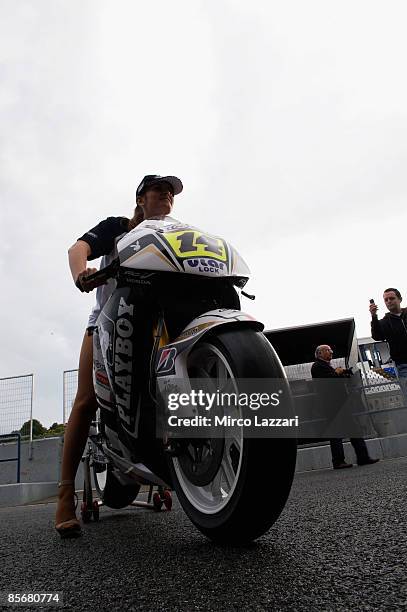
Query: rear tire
[112, 493]
[231, 513]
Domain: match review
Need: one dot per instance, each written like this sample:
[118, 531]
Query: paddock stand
[90, 507]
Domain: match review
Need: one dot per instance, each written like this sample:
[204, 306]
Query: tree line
[39, 431]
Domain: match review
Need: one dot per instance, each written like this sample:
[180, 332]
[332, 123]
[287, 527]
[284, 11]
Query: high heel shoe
[70, 528]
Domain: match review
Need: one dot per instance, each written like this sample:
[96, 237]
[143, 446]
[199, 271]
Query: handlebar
[102, 276]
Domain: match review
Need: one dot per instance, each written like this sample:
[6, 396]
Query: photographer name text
[228, 421]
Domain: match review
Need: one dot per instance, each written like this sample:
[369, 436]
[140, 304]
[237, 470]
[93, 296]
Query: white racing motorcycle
[175, 316]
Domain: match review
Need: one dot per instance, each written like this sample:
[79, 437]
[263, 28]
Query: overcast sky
[286, 121]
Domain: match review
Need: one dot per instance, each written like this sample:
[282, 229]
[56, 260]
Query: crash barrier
[40, 460]
[376, 410]
[380, 401]
[6, 438]
[385, 401]
[16, 404]
[70, 384]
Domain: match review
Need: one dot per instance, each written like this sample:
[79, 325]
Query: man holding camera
[392, 328]
[322, 368]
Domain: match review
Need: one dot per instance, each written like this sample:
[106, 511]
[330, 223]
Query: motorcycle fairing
[121, 349]
[170, 246]
[101, 379]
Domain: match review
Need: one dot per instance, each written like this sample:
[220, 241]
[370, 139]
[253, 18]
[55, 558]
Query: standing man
[322, 368]
[392, 328]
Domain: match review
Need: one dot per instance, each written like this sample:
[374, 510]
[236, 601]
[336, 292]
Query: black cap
[152, 179]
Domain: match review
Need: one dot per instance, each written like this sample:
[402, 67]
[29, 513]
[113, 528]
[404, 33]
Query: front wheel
[218, 481]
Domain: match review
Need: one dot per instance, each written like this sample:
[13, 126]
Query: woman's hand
[78, 255]
[84, 285]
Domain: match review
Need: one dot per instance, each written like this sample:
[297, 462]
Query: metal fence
[16, 403]
[70, 379]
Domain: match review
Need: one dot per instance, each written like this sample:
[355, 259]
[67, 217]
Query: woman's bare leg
[76, 433]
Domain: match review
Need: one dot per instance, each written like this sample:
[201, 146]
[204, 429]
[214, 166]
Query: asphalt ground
[340, 544]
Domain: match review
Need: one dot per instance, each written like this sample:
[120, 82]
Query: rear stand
[90, 506]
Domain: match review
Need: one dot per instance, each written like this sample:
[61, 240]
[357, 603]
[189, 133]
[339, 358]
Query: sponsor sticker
[192, 243]
[193, 330]
[205, 266]
[166, 362]
[102, 379]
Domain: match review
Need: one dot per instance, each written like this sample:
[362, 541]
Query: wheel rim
[100, 478]
[99, 469]
[209, 362]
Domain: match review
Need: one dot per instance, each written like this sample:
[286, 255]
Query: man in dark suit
[322, 368]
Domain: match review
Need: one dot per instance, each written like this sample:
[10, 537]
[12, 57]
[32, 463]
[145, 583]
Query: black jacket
[330, 393]
[393, 329]
[322, 369]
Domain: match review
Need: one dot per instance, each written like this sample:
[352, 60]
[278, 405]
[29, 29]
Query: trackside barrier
[18, 458]
[379, 393]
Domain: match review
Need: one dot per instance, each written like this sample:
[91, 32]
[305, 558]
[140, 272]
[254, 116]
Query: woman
[154, 197]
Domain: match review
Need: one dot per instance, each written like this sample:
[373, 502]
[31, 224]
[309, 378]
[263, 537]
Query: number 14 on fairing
[196, 244]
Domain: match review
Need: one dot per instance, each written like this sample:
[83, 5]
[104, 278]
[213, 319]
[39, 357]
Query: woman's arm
[78, 258]
[98, 241]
